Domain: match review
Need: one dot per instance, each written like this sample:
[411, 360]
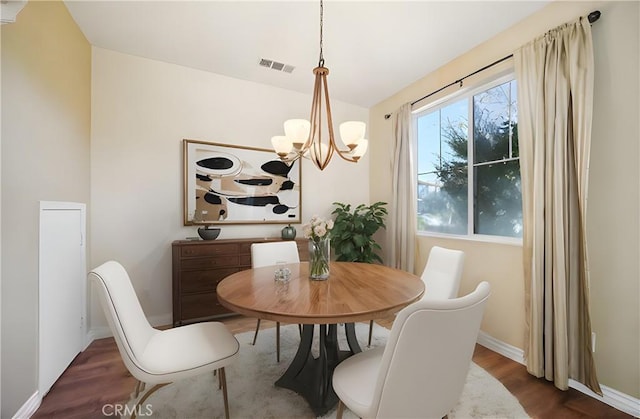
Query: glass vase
[319, 252]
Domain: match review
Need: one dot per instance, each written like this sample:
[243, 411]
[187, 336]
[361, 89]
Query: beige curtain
[555, 100]
[402, 221]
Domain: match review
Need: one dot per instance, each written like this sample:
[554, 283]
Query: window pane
[491, 124]
[498, 199]
[442, 169]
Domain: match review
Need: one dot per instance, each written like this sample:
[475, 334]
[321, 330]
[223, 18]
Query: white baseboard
[612, 397]
[504, 349]
[98, 333]
[29, 407]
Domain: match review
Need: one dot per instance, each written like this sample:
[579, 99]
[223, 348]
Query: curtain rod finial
[594, 16]
[387, 116]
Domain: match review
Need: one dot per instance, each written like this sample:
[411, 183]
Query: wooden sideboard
[199, 265]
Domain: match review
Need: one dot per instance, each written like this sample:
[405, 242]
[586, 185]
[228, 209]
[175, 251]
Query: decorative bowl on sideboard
[208, 233]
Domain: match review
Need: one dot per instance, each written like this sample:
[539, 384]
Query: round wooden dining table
[354, 292]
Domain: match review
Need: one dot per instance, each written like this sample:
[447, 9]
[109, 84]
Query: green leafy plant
[353, 230]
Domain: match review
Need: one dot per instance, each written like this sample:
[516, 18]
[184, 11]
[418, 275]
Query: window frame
[468, 93]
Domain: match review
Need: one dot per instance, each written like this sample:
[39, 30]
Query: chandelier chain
[321, 60]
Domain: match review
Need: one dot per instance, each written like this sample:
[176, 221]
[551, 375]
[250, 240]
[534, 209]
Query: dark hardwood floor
[98, 377]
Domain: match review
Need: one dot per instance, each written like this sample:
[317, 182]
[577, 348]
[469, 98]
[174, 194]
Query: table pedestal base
[311, 377]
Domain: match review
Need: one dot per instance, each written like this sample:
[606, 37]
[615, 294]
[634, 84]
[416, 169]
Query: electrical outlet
[593, 341]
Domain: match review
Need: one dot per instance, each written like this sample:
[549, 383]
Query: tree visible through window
[446, 203]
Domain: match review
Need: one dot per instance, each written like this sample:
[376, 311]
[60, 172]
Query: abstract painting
[227, 184]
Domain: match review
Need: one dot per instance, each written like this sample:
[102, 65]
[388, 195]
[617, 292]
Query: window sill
[511, 241]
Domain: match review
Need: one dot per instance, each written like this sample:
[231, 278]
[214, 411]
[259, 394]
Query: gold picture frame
[229, 184]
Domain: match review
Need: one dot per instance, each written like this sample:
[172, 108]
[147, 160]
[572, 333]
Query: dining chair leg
[340, 410]
[370, 333]
[145, 397]
[139, 388]
[278, 341]
[223, 379]
[255, 336]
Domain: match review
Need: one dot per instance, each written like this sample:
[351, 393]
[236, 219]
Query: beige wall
[141, 111]
[613, 195]
[46, 70]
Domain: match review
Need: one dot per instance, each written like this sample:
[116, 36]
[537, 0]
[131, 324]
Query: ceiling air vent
[265, 63]
[274, 65]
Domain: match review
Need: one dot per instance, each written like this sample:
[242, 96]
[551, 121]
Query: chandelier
[303, 138]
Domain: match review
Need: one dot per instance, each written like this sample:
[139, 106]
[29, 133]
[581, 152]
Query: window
[453, 154]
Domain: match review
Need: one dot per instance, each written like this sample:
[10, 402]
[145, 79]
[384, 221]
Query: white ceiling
[373, 49]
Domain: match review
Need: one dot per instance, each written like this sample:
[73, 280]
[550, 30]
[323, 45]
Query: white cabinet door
[62, 289]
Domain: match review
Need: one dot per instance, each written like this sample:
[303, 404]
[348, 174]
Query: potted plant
[353, 230]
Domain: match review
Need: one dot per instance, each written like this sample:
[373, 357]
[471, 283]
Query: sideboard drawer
[197, 306]
[210, 250]
[207, 280]
[205, 263]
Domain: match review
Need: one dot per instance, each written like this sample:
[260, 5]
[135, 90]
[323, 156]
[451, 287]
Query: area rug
[252, 393]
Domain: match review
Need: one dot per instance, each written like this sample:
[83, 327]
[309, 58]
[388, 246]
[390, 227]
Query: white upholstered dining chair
[441, 276]
[443, 273]
[160, 357]
[271, 253]
[422, 369]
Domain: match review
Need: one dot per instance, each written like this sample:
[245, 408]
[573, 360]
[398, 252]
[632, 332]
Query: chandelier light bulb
[282, 145]
[351, 132]
[297, 131]
[359, 151]
[318, 152]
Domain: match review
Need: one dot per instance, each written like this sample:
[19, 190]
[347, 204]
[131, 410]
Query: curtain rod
[593, 17]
